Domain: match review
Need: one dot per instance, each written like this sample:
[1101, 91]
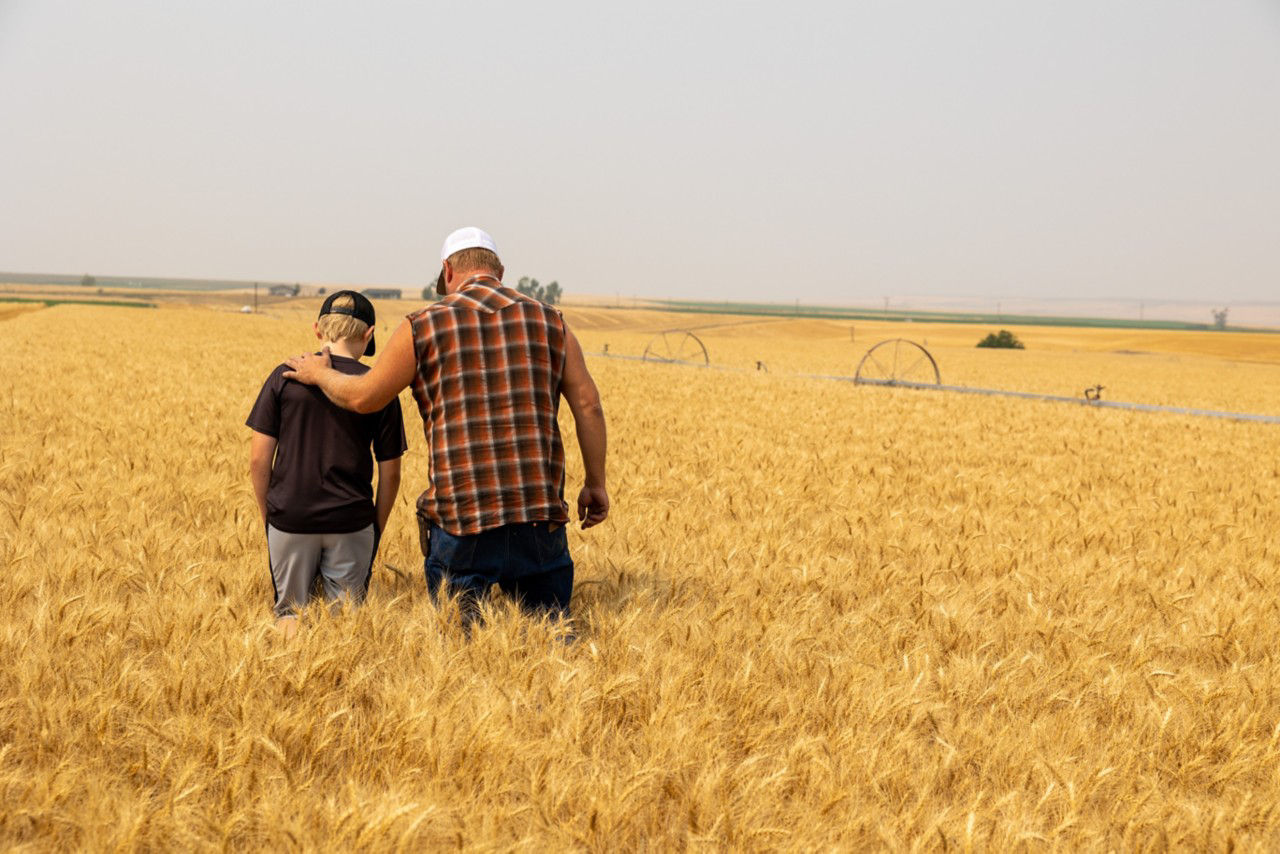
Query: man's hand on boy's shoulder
[365, 392]
[308, 367]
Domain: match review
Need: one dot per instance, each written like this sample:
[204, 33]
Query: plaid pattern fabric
[490, 361]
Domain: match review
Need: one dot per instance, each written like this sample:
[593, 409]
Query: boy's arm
[388, 486]
[367, 392]
[262, 454]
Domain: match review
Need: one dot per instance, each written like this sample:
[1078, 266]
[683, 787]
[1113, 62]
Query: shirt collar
[484, 293]
[485, 280]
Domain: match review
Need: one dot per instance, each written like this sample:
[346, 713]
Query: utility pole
[1142, 309]
[255, 297]
[886, 305]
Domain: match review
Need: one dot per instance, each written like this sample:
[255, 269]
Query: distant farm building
[383, 293]
[283, 290]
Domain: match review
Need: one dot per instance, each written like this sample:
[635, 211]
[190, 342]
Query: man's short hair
[475, 259]
[341, 327]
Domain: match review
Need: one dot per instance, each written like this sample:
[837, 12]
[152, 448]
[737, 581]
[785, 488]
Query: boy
[312, 473]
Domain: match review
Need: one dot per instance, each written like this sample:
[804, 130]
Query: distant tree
[429, 293]
[88, 281]
[550, 293]
[529, 287]
[1005, 339]
[1220, 318]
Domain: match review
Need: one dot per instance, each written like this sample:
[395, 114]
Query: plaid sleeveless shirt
[490, 361]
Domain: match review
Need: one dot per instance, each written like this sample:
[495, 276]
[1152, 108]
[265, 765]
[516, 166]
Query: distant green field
[841, 313]
[175, 284]
[57, 301]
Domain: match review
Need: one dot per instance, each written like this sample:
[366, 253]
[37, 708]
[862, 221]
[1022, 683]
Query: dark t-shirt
[322, 479]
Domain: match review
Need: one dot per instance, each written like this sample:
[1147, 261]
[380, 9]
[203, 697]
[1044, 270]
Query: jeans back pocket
[553, 546]
[448, 552]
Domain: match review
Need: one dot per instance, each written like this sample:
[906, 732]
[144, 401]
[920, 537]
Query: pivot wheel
[898, 361]
[677, 346]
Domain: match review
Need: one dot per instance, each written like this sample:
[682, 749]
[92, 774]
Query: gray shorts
[343, 562]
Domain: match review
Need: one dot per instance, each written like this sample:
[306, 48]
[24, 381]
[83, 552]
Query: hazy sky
[832, 152]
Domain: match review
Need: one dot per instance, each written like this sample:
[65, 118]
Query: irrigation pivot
[677, 346]
[903, 363]
[891, 369]
[898, 361]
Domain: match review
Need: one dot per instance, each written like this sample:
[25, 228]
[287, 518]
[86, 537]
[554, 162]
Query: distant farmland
[912, 316]
[171, 284]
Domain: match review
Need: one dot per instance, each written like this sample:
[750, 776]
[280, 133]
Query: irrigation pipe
[994, 392]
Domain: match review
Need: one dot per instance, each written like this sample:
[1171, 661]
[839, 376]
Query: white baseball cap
[469, 237]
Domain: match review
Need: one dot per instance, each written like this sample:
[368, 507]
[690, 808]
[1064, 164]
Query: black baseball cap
[362, 310]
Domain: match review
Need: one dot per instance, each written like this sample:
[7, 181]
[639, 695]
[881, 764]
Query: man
[488, 366]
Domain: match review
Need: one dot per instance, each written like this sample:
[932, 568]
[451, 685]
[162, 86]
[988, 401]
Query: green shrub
[1004, 338]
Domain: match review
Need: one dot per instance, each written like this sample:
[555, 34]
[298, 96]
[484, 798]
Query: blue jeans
[528, 560]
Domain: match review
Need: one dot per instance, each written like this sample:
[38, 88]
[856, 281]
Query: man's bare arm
[388, 486]
[262, 455]
[367, 392]
[588, 417]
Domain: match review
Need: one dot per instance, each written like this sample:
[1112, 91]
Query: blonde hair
[475, 258]
[341, 327]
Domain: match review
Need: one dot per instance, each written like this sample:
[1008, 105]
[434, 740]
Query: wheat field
[821, 616]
